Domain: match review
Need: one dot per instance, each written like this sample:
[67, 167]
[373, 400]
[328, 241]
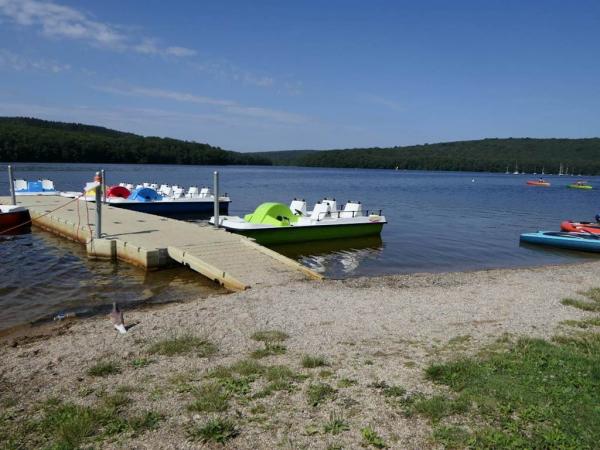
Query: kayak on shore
[587, 242]
[578, 227]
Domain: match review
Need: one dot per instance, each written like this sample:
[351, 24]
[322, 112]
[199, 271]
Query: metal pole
[216, 196]
[103, 173]
[98, 178]
[11, 184]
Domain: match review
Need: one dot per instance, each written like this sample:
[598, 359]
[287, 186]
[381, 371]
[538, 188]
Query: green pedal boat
[276, 223]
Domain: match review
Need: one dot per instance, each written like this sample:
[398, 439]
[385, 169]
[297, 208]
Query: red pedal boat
[14, 219]
[580, 227]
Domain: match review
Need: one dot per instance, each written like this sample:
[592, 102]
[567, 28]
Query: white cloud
[226, 106]
[64, 22]
[13, 61]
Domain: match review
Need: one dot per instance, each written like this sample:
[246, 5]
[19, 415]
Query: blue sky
[270, 75]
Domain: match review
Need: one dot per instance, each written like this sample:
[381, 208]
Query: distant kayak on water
[540, 182]
[580, 185]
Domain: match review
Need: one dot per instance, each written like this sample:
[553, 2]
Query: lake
[438, 221]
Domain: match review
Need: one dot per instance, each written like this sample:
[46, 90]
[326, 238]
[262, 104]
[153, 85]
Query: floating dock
[152, 242]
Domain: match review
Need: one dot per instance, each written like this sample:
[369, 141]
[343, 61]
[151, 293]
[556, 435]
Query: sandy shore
[368, 329]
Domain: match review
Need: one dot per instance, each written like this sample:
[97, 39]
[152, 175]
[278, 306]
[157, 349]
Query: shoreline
[367, 330]
[46, 327]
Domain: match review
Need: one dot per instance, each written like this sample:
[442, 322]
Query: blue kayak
[586, 242]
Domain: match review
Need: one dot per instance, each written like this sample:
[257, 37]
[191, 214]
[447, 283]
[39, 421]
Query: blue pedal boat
[585, 242]
[39, 187]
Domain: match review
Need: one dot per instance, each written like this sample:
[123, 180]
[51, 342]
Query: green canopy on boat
[275, 214]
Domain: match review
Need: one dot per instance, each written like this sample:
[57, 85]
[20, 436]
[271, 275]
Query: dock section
[152, 242]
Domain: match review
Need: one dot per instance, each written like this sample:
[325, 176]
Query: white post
[103, 173]
[98, 179]
[216, 196]
[11, 183]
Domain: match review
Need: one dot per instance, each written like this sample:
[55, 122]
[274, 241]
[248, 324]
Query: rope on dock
[43, 215]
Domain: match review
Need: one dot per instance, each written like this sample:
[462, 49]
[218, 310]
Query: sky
[278, 75]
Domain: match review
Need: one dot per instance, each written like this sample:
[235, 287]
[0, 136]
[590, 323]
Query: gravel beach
[367, 330]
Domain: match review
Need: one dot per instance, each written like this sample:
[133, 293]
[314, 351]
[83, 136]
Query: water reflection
[337, 257]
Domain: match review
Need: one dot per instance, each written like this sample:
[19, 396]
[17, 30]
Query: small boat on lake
[39, 187]
[587, 242]
[276, 223]
[14, 219]
[580, 185]
[540, 182]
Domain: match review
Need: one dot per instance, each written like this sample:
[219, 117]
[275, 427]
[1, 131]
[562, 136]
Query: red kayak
[538, 183]
[580, 227]
[14, 219]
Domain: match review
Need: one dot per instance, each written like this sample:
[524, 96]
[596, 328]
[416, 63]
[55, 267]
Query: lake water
[438, 221]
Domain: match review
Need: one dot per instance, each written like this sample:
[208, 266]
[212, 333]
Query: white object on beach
[116, 317]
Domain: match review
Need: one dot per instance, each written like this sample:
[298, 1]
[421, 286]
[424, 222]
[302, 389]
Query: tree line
[34, 140]
[485, 155]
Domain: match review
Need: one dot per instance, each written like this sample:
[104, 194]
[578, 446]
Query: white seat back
[178, 192]
[167, 191]
[204, 192]
[47, 185]
[129, 186]
[20, 185]
[145, 184]
[298, 205]
[320, 211]
[193, 191]
[352, 209]
[123, 185]
[332, 204]
[154, 186]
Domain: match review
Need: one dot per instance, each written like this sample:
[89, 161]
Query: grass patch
[104, 368]
[370, 437]
[593, 294]
[585, 323]
[536, 394]
[581, 304]
[387, 390]
[269, 350]
[280, 378]
[184, 345]
[70, 426]
[346, 382]
[310, 362]
[147, 420]
[320, 392]
[139, 363]
[436, 407]
[211, 397]
[215, 430]
[451, 436]
[336, 424]
[270, 336]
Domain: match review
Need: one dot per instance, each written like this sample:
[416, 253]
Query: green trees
[34, 140]
[493, 155]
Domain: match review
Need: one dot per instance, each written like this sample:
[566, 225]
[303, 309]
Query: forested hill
[34, 140]
[494, 155]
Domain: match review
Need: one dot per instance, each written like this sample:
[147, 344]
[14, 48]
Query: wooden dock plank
[151, 241]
